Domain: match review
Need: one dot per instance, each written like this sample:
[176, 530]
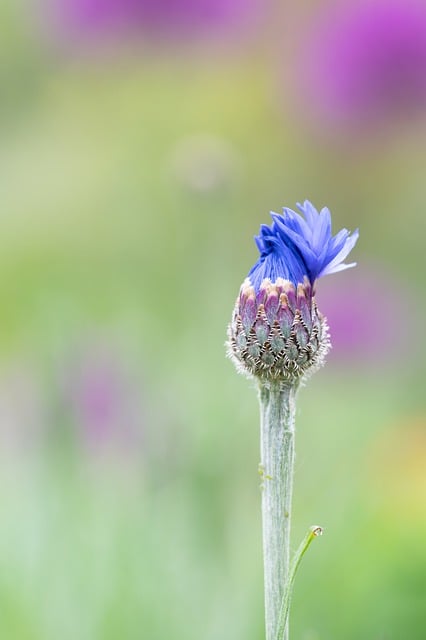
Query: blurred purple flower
[365, 62]
[365, 322]
[100, 17]
[103, 398]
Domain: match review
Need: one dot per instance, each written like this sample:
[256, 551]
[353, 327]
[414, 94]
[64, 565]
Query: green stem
[277, 408]
[313, 532]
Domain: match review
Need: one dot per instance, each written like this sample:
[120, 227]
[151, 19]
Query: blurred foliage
[132, 183]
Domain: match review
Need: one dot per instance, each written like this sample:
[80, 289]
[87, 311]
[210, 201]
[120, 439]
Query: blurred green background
[134, 172]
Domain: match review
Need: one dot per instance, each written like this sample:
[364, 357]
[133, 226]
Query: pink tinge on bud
[245, 291]
[277, 333]
[290, 291]
[285, 316]
[249, 311]
[263, 292]
[304, 304]
[272, 303]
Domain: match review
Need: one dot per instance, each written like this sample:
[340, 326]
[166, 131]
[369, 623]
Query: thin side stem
[313, 533]
[277, 408]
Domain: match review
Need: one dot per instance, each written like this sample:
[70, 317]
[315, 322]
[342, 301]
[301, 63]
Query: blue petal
[309, 211]
[337, 263]
[296, 246]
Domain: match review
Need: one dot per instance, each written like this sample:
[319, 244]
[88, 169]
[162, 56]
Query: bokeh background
[142, 143]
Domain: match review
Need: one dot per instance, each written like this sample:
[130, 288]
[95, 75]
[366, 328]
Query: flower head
[277, 331]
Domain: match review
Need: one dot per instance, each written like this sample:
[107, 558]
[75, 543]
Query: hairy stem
[277, 408]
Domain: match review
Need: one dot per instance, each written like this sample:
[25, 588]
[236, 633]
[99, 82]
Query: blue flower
[297, 247]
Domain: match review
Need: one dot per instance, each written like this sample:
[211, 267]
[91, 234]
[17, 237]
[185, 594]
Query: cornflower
[278, 336]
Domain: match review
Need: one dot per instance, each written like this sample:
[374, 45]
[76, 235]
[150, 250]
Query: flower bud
[277, 332]
[279, 335]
